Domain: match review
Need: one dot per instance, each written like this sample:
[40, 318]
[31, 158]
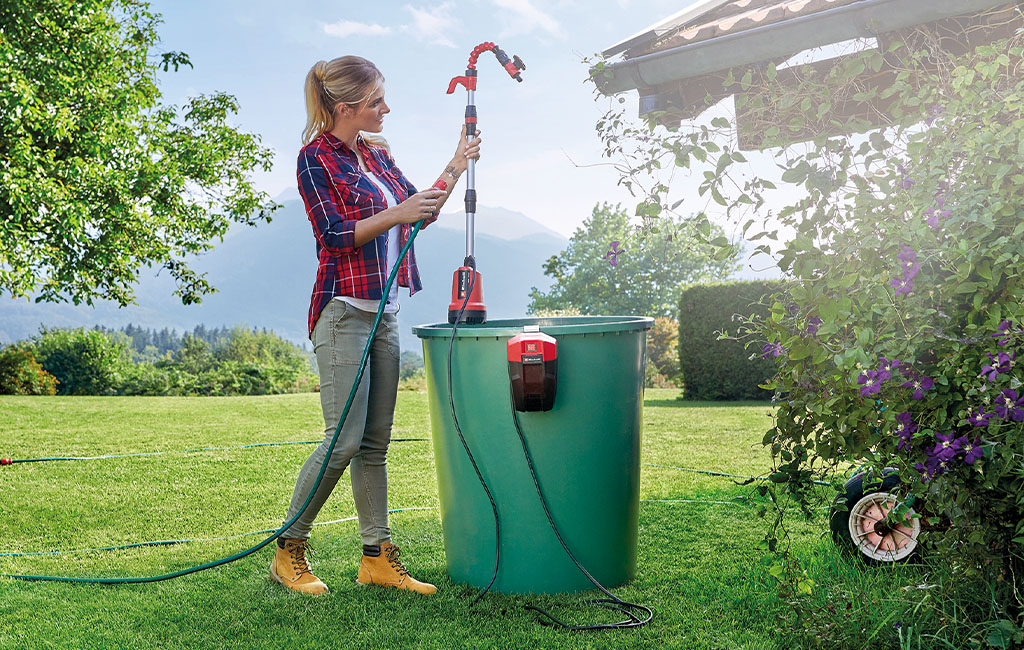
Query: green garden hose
[316, 485]
[12, 461]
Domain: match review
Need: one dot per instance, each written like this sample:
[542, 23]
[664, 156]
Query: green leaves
[100, 178]
[660, 257]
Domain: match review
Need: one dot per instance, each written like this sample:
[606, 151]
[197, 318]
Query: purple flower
[931, 468]
[1003, 362]
[906, 254]
[772, 349]
[935, 111]
[812, 325]
[613, 254]
[919, 384]
[1008, 406]
[870, 383]
[1004, 333]
[933, 214]
[886, 364]
[972, 451]
[905, 432]
[980, 419]
[946, 446]
[905, 181]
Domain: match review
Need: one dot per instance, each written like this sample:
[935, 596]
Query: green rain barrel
[586, 451]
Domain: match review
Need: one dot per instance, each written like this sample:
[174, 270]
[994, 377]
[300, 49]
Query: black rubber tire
[839, 516]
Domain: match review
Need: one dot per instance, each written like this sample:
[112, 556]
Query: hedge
[715, 369]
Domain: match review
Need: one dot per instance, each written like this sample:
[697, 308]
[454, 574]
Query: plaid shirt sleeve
[334, 231]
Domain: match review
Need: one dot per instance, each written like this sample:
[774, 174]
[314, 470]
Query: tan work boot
[291, 568]
[386, 570]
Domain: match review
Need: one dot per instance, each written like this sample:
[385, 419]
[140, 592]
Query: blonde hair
[344, 80]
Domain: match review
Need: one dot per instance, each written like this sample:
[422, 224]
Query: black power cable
[613, 602]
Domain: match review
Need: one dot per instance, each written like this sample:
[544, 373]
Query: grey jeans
[338, 341]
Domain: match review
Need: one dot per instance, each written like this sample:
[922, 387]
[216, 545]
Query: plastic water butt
[586, 451]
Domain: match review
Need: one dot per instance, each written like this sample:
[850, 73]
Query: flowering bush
[899, 334]
[897, 340]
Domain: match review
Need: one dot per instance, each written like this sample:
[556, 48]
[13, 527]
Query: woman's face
[368, 116]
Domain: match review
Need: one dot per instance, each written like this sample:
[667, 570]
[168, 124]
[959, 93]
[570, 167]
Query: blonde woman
[360, 205]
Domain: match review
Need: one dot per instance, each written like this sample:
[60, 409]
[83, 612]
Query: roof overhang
[862, 19]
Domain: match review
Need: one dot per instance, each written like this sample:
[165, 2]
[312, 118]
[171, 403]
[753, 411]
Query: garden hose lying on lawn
[316, 484]
[12, 461]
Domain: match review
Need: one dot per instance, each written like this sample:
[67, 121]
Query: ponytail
[346, 79]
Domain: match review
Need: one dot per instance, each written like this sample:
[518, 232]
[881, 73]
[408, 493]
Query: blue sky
[260, 52]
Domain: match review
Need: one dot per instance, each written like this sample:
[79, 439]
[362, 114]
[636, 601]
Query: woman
[361, 207]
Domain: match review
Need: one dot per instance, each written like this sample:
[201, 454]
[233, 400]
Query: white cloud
[529, 18]
[344, 28]
[432, 25]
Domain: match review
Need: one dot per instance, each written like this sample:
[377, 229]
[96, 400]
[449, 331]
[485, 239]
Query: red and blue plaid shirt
[337, 195]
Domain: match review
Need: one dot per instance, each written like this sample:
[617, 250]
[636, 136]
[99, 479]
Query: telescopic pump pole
[467, 279]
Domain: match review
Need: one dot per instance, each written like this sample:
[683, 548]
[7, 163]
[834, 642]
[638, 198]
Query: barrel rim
[554, 326]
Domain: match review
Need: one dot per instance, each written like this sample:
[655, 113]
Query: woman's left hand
[467, 150]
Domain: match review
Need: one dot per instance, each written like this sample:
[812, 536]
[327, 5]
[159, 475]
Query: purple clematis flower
[1009, 406]
[935, 111]
[886, 364]
[613, 254]
[870, 383]
[937, 212]
[908, 257]
[906, 254]
[772, 349]
[980, 419]
[1003, 363]
[931, 468]
[905, 432]
[972, 451]
[919, 384]
[906, 182]
[1004, 333]
[946, 446]
[812, 325]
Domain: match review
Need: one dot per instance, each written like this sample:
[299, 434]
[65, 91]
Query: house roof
[744, 32]
[706, 19]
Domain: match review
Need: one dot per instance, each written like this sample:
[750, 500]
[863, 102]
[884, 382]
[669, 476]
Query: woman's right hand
[422, 205]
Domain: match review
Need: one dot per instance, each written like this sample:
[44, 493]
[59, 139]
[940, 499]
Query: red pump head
[512, 66]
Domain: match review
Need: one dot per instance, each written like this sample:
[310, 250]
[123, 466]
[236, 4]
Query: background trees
[614, 267]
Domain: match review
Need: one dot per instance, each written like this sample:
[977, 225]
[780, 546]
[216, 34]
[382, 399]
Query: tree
[613, 267]
[99, 177]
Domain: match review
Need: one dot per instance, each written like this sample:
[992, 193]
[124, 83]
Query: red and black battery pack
[475, 311]
[533, 370]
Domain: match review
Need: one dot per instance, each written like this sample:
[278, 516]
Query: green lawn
[698, 563]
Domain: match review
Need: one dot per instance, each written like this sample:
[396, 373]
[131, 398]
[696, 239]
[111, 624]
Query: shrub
[714, 369]
[21, 374]
[85, 362]
[662, 369]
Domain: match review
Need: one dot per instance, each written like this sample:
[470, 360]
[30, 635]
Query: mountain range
[264, 276]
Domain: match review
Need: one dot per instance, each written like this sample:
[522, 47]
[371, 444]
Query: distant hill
[265, 276]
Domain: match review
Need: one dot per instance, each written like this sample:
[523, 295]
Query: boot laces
[299, 561]
[392, 555]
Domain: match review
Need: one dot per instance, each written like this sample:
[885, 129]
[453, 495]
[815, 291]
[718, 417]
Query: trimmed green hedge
[721, 370]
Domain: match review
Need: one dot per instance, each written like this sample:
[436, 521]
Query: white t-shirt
[391, 258]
